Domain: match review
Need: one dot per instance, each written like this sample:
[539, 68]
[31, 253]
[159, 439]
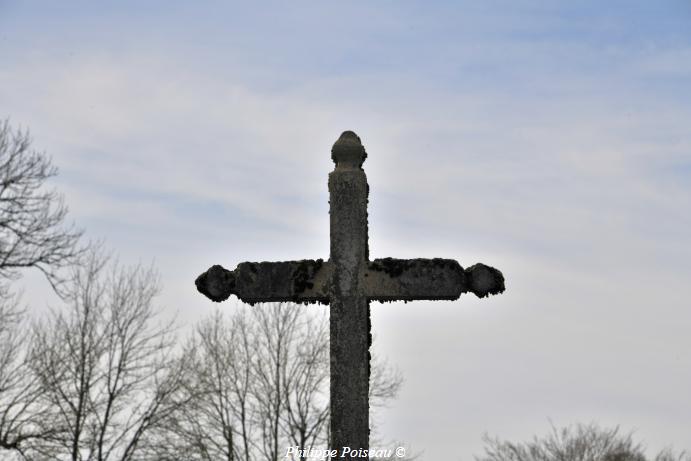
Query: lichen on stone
[390, 266]
[304, 273]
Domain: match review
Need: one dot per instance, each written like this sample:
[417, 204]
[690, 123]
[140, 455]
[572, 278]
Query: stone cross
[348, 281]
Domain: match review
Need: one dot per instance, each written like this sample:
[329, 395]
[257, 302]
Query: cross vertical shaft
[349, 316]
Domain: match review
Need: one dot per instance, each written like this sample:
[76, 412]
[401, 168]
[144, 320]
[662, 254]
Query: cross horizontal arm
[302, 281]
[391, 279]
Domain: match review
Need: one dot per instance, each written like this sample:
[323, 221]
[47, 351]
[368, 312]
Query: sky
[548, 139]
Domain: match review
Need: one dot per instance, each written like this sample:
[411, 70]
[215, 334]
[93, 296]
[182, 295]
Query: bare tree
[105, 365]
[574, 443]
[31, 235]
[216, 421]
[22, 414]
[261, 384]
[32, 232]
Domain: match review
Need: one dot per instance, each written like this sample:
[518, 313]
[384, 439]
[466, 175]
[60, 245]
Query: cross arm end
[484, 280]
[303, 281]
[390, 279]
[217, 283]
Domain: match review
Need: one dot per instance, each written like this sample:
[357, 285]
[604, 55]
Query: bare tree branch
[32, 231]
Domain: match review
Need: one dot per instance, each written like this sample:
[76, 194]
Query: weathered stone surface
[390, 279]
[348, 281]
[349, 311]
[484, 280]
[304, 281]
[217, 283]
[348, 152]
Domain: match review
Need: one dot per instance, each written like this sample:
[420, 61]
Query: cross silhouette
[348, 281]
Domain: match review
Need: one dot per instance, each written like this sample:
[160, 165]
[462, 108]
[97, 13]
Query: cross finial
[348, 151]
